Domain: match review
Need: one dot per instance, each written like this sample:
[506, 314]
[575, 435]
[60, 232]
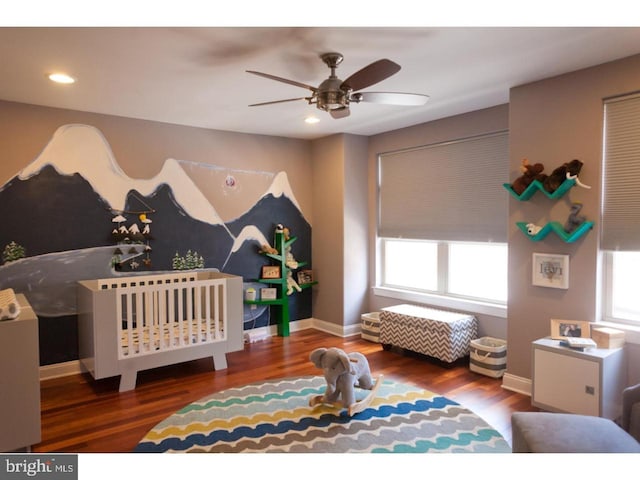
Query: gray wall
[340, 233]
[551, 122]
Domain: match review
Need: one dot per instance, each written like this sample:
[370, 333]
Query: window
[473, 271]
[442, 221]
[620, 233]
[621, 273]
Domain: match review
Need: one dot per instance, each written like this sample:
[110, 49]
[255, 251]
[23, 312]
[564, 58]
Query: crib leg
[219, 361]
[128, 381]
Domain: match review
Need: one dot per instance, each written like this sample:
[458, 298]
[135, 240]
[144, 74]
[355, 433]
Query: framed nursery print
[549, 270]
[570, 328]
[270, 271]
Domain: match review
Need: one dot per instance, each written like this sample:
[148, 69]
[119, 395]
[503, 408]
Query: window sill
[466, 305]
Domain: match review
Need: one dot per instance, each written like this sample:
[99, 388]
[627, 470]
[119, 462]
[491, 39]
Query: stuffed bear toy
[574, 220]
[529, 174]
[343, 372]
[560, 174]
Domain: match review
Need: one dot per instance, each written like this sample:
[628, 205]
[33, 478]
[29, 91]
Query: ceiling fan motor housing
[330, 96]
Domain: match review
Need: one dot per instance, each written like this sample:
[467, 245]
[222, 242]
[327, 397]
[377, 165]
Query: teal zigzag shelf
[536, 186]
[558, 229]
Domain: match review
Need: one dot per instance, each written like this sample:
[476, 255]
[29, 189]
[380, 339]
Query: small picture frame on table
[270, 271]
[561, 329]
[550, 270]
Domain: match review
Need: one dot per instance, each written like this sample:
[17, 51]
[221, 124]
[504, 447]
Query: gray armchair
[544, 432]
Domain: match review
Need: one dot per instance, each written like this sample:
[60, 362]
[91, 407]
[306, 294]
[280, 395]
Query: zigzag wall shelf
[536, 186]
[558, 229]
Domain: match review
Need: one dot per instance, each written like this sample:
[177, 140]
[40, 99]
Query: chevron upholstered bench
[436, 333]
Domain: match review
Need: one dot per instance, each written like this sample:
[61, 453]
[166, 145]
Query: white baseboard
[47, 372]
[516, 384]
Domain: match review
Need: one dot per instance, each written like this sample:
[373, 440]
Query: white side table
[568, 380]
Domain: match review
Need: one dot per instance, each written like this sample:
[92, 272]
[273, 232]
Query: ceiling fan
[334, 95]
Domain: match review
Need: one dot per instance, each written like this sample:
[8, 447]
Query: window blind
[621, 180]
[449, 191]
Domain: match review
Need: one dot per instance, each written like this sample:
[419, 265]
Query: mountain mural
[73, 205]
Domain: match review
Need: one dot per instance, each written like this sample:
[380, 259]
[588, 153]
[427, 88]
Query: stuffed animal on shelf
[284, 231]
[567, 170]
[264, 248]
[529, 174]
[291, 283]
[574, 220]
[343, 373]
[533, 229]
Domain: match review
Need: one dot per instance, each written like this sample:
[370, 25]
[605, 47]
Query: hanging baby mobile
[133, 249]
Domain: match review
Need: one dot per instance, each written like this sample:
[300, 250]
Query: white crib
[130, 324]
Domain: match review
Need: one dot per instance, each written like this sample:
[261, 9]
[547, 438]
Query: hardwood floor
[82, 415]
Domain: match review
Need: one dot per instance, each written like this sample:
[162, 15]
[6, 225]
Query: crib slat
[139, 313]
[208, 334]
[131, 346]
[119, 321]
[223, 323]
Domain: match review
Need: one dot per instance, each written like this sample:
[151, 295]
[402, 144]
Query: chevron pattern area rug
[274, 416]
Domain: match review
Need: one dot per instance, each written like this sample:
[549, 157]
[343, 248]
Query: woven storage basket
[488, 356]
[370, 329]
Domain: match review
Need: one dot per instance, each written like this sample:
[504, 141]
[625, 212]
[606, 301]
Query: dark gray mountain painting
[62, 210]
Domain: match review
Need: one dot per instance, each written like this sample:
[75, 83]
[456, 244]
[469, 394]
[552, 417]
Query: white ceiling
[197, 76]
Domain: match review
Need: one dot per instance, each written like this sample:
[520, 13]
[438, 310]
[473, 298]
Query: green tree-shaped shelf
[558, 229]
[281, 302]
[536, 186]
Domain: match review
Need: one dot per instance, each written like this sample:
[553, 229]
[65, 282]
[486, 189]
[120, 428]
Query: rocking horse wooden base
[355, 407]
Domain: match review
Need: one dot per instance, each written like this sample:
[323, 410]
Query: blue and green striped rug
[274, 416]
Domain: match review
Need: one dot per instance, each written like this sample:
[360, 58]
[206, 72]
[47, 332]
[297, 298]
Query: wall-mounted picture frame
[305, 276]
[550, 270]
[270, 271]
[561, 329]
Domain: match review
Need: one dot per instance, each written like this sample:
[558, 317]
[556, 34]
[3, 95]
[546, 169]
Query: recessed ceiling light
[61, 78]
[312, 120]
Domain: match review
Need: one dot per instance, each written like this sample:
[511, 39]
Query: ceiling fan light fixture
[332, 100]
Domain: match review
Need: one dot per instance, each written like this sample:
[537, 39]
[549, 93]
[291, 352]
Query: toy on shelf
[343, 373]
[533, 229]
[554, 186]
[529, 174]
[566, 171]
[575, 219]
[558, 229]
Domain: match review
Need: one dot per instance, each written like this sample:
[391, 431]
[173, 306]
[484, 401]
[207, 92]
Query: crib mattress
[437, 333]
[154, 338]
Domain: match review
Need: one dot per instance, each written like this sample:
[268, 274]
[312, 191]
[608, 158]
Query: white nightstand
[587, 383]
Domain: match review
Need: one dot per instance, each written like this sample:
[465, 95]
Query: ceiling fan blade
[340, 112]
[392, 98]
[277, 101]
[371, 74]
[284, 80]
